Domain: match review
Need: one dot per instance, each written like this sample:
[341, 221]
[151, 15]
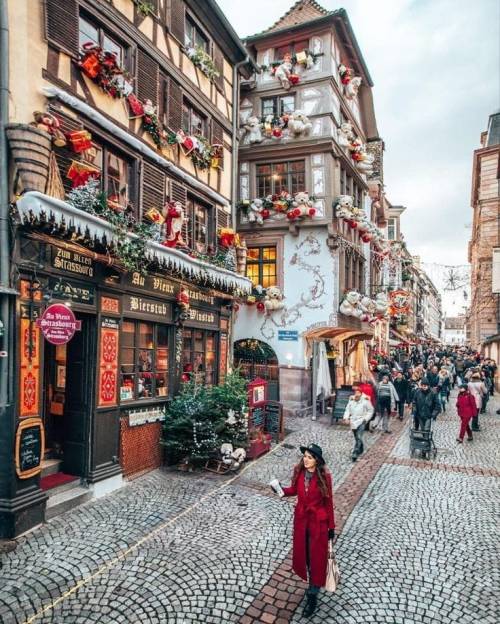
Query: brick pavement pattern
[416, 545]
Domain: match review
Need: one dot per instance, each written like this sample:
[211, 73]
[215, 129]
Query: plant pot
[31, 149]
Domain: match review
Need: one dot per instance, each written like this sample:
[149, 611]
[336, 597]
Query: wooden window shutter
[61, 24]
[218, 59]
[153, 187]
[148, 78]
[223, 218]
[217, 133]
[177, 18]
[163, 103]
[174, 105]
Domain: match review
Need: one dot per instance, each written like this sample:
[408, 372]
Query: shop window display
[144, 361]
[198, 355]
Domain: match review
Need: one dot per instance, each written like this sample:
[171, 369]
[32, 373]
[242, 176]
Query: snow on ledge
[35, 205]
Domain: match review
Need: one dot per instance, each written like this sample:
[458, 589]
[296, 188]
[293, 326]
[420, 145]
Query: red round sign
[58, 324]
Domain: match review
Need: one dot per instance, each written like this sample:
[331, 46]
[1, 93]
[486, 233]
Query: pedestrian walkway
[417, 542]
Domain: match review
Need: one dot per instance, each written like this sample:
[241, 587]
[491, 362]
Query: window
[278, 105]
[199, 231]
[87, 32]
[199, 355]
[261, 266]
[392, 229]
[292, 48]
[193, 36]
[115, 173]
[144, 354]
[284, 176]
[347, 271]
[193, 122]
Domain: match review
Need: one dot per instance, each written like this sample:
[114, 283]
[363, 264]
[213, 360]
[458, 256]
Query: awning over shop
[34, 207]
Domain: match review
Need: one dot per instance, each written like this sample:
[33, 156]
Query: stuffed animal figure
[302, 206]
[273, 300]
[239, 455]
[352, 87]
[284, 71]
[175, 220]
[345, 134]
[50, 123]
[226, 451]
[381, 304]
[299, 123]
[254, 130]
[255, 211]
[368, 307]
[366, 165]
[344, 207]
[350, 305]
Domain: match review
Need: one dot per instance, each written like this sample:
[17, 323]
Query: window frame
[261, 262]
[186, 104]
[105, 30]
[291, 48]
[192, 351]
[277, 101]
[189, 20]
[289, 173]
[192, 202]
[392, 223]
[154, 350]
[132, 167]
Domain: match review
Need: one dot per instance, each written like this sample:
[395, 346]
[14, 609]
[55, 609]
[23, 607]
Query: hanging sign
[58, 324]
[288, 335]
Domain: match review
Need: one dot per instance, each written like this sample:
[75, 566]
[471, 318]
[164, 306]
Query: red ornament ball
[260, 306]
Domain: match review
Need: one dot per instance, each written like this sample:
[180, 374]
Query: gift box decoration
[80, 173]
[155, 216]
[80, 140]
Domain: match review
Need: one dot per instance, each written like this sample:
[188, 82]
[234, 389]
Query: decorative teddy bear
[233, 458]
[255, 211]
[302, 206]
[382, 304]
[284, 71]
[366, 165]
[350, 305]
[352, 87]
[273, 300]
[344, 207]
[345, 134]
[50, 123]
[368, 307]
[254, 130]
[299, 123]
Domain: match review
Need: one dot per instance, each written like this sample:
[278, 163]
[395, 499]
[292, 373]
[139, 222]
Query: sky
[435, 65]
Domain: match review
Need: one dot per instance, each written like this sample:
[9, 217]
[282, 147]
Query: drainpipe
[236, 141]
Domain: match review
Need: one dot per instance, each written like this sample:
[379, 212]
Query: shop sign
[161, 286]
[288, 335]
[108, 362]
[147, 415]
[147, 308]
[202, 318]
[75, 291]
[73, 262]
[58, 324]
[30, 447]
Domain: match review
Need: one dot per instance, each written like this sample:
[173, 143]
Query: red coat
[466, 405]
[313, 513]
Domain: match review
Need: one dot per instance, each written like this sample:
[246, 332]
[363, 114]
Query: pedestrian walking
[387, 398]
[358, 412]
[402, 387]
[478, 391]
[425, 406]
[314, 523]
[443, 388]
[466, 409]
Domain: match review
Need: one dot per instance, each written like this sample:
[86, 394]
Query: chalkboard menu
[257, 417]
[341, 399]
[274, 420]
[30, 443]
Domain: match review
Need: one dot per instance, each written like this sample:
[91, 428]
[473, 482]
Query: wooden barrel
[30, 148]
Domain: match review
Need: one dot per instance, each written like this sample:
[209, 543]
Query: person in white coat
[478, 391]
[358, 412]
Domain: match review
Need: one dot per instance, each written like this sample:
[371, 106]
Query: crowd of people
[419, 382]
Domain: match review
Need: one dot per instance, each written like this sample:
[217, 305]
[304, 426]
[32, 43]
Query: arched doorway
[255, 359]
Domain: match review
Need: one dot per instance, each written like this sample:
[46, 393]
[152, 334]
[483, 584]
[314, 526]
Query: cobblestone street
[417, 541]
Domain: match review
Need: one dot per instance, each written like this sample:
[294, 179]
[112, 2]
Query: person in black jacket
[425, 406]
[402, 388]
[433, 377]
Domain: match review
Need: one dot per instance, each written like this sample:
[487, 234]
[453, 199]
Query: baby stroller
[423, 441]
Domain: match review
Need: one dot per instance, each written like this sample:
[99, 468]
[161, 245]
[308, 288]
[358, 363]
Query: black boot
[311, 604]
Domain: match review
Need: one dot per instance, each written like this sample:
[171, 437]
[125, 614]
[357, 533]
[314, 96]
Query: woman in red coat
[313, 523]
[467, 409]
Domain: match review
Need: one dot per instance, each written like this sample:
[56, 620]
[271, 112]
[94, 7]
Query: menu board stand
[30, 447]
